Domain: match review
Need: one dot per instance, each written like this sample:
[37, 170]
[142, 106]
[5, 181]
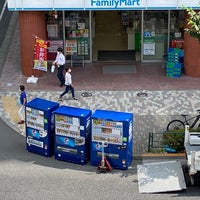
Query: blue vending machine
[72, 134]
[115, 131]
[40, 126]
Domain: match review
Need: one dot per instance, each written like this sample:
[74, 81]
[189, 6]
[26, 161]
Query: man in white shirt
[60, 62]
[68, 84]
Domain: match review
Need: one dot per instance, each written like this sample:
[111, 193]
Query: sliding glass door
[155, 35]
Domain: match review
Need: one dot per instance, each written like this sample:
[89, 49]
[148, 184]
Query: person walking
[22, 102]
[60, 62]
[68, 84]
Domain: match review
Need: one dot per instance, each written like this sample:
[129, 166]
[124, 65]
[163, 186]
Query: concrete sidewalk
[151, 113]
[153, 98]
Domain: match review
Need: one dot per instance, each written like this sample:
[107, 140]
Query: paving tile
[166, 98]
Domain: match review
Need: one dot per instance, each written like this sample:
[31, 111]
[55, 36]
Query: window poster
[81, 26]
[67, 22]
[149, 48]
[149, 43]
[71, 47]
[53, 45]
[83, 46]
[52, 30]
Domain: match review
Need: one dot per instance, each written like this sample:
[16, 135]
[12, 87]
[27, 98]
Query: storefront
[122, 31]
[97, 29]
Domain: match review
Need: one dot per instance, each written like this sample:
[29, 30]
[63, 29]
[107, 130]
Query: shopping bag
[53, 68]
[18, 102]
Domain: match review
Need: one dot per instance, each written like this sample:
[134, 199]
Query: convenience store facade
[92, 27]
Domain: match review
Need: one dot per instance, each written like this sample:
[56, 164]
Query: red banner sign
[40, 54]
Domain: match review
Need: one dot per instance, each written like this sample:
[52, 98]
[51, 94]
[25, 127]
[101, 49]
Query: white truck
[192, 149]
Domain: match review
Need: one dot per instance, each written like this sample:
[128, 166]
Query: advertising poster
[53, 45]
[71, 47]
[149, 48]
[149, 43]
[83, 46]
[40, 54]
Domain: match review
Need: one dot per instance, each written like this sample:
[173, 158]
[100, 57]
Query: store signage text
[114, 3]
[15, 5]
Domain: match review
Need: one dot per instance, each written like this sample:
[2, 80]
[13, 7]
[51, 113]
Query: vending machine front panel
[72, 134]
[115, 130]
[40, 126]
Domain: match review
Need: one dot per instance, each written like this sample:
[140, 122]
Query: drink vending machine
[40, 126]
[113, 130]
[72, 134]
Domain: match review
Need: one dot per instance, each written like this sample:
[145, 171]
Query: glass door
[155, 35]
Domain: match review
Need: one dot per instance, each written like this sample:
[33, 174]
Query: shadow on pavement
[13, 147]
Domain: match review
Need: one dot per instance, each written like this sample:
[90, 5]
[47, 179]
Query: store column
[191, 56]
[30, 23]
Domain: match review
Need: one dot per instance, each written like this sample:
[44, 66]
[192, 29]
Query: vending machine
[40, 126]
[112, 131]
[72, 134]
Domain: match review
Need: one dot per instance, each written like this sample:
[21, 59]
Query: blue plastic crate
[171, 75]
[181, 53]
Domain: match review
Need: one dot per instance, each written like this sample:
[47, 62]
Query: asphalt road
[24, 175]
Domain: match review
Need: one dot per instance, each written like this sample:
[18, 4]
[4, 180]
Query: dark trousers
[60, 75]
[68, 87]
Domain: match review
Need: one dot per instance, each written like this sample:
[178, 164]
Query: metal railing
[155, 141]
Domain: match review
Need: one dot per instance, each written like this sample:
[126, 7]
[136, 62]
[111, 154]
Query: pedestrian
[60, 62]
[68, 84]
[22, 102]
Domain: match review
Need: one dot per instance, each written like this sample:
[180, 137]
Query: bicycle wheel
[175, 125]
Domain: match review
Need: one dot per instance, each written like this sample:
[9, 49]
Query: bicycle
[177, 124]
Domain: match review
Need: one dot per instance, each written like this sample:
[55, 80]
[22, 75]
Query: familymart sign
[19, 5]
[115, 3]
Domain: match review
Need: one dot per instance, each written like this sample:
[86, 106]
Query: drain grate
[142, 94]
[86, 94]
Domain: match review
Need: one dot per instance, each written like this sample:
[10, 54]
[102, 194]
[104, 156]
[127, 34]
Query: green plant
[194, 23]
[194, 129]
[174, 139]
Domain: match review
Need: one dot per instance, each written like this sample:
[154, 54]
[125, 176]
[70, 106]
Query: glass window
[177, 20]
[77, 33]
[54, 25]
[54, 30]
[155, 35]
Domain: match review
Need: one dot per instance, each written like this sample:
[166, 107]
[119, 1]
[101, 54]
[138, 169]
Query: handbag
[53, 68]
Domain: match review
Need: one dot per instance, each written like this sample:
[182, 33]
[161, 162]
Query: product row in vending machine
[76, 134]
